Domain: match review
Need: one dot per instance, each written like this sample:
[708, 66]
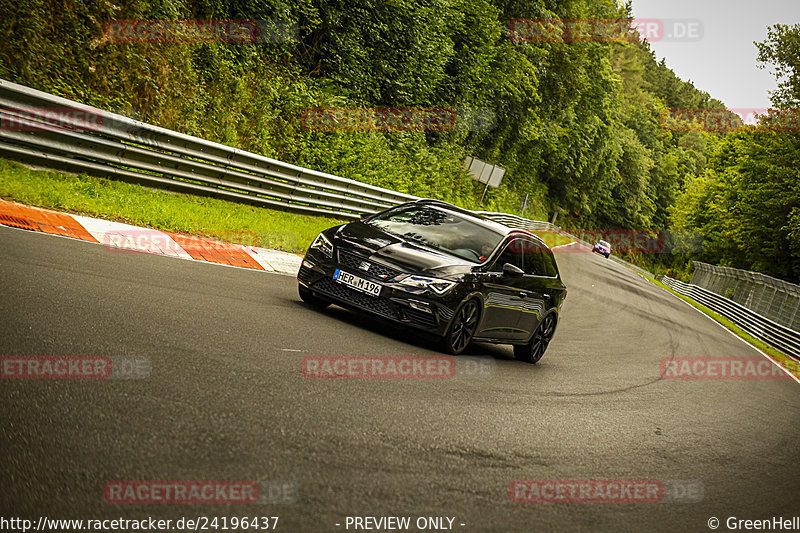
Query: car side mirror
[363, 216]
[512, 271]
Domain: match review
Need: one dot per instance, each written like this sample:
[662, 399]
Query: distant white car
[602, 248]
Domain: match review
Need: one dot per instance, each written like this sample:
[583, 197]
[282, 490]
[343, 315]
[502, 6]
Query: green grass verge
[552, 239]
[787, 362]
[141, 206]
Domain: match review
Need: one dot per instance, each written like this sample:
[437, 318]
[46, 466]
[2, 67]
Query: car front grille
[375, 304]
[352, 261]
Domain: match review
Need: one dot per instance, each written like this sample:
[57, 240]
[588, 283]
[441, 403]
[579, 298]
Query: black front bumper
[398, 303]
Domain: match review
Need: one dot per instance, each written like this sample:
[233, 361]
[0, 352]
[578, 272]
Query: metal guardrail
[772, 333]
[514, 221]
[55, 132]
[773, 298]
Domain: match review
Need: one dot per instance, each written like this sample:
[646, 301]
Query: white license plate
[359, 284]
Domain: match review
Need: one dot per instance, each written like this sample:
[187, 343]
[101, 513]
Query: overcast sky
[722, 61]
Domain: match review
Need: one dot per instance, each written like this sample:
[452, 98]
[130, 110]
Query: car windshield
[604, 243]
[442, 230]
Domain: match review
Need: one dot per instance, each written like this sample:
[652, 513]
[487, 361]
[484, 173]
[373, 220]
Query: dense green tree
[746, 204]
[781, 51]
[579, 125]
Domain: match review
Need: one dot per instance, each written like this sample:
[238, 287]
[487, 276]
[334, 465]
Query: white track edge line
[756, 348]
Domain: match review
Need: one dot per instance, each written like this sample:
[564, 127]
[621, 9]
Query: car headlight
[322, 244]
[439, 286]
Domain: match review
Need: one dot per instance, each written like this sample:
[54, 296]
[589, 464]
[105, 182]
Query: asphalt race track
[225, 400]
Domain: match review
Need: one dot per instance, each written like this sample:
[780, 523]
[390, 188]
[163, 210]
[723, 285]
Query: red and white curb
[119, 237]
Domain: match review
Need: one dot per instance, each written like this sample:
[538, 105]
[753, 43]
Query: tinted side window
[540, 262]
[514, 254]
[551, 263]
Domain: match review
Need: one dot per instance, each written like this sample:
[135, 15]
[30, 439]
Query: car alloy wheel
[463, 328]
[534, 350]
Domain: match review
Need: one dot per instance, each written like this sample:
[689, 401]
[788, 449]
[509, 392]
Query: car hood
[376, 244]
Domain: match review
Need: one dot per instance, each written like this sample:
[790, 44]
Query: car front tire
[308, 297]
[462, 328]
[534, 350]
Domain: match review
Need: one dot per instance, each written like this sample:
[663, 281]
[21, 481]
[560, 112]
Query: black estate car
[442, 269]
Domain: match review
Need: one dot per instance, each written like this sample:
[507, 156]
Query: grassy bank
[141, 206]
[552, 239]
